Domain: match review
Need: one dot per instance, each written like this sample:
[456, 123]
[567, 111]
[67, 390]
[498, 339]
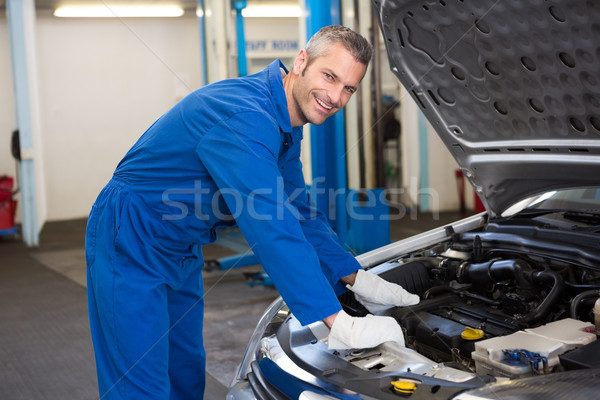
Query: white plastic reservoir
[548, 341]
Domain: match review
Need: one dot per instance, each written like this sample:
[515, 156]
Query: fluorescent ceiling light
[200, 13]
[118, 11]
[281, 11]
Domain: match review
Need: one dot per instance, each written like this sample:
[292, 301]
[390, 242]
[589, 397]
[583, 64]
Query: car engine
[498, 304]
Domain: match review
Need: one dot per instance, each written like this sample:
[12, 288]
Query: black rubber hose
[582, 286]
[434, 291]
[544, 307]
[579, 298]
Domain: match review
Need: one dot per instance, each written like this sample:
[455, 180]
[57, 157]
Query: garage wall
[102, 83]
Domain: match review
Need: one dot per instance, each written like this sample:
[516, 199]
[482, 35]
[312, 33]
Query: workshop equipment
[8, 206]
[233, 239]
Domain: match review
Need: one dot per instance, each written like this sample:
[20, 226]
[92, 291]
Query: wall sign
[271, 45]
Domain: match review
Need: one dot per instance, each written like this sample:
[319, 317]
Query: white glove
[358, 333]
[379, 295]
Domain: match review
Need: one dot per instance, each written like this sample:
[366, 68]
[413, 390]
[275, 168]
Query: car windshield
[582, 199]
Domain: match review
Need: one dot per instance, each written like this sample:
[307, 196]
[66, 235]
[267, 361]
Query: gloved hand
[378, 295]
[357, 333]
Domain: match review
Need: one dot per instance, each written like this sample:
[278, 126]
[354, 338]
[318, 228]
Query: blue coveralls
[226, 153]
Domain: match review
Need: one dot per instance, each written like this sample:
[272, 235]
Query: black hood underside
[511, 87]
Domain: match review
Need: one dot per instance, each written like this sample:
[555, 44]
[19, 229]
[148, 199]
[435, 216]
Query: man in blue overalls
[228, 152]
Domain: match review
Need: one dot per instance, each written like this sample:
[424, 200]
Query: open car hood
[511, 87]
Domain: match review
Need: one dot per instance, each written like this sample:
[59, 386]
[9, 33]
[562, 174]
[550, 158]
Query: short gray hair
[357, 45]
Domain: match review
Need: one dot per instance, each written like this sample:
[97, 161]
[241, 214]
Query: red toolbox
[8, 205]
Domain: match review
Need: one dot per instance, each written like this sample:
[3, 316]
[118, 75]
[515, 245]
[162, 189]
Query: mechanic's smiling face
[323, 86]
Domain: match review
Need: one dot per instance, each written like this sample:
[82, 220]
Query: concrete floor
[232, 311]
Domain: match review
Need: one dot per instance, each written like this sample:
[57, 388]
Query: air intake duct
[484, 276]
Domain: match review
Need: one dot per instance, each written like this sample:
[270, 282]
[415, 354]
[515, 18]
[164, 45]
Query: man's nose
[336, 96]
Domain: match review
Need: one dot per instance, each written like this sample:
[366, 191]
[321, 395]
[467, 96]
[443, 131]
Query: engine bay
[498, 301]
[500, 304]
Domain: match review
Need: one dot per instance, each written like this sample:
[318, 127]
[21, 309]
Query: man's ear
[300, 63]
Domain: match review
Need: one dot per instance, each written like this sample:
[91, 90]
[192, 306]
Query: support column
[21, 28]
[238, 6]
[201, 14]
[328, 141]
[216, 18]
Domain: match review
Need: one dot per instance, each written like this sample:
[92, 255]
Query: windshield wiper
[588, 217]
[533, 213]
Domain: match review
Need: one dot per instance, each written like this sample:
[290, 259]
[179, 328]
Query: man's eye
[350, 90]
[328, 76]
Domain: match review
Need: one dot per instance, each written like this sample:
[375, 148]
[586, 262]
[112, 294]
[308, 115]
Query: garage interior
[91, 86]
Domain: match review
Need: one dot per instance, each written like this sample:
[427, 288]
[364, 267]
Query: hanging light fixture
[118, 11]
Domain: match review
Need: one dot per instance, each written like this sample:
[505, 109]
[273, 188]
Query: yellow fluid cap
[404, 386]
[471, 334]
